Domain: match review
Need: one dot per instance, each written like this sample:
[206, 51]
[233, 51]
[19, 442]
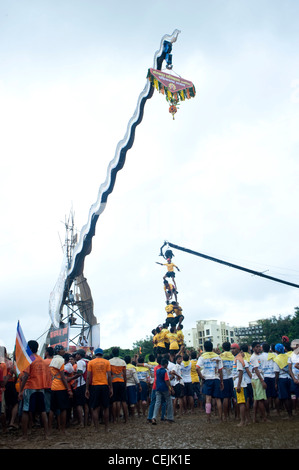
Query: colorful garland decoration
[175, 89]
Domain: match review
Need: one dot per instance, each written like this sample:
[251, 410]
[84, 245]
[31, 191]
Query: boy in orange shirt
[32, 390]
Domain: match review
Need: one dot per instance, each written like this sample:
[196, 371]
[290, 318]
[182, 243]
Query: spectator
[99, 387]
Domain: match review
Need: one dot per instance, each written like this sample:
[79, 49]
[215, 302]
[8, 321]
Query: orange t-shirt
[37, 372]
[99, 368]
[57, 383]
[4, 370]
[118, 369]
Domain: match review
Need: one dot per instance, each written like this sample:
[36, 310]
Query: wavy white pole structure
[69, 272]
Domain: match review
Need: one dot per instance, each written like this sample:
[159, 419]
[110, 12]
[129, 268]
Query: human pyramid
[168, 337]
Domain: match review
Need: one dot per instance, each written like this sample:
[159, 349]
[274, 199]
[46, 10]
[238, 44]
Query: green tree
[122, 352]
[274, 328]
[294, 328]
[144, 346]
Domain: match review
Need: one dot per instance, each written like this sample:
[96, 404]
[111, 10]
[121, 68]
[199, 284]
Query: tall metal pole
[256, 273]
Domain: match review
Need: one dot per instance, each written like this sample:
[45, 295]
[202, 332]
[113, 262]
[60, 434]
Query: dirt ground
[190, 431]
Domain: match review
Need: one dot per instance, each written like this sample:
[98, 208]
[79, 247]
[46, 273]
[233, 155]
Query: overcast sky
[220, 179]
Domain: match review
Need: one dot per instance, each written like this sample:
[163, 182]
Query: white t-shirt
[186, 372]
[176, 368]
[267, 365]
[227, 369]
[237, 366]
[294, 359]
[81, 365]
[68, 368]
[283, 373]
[256, 361]
[209, 367]
[131, 376]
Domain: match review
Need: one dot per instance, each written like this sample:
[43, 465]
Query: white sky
[220, 179]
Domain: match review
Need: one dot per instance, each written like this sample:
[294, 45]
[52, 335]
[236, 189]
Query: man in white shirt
[80, 401]
[240, 384]
[188, 400]
[228, 384]
[283, 378]
[258, 384]
[174, 372]
[293, 362]
[267, 360]
[210, 370]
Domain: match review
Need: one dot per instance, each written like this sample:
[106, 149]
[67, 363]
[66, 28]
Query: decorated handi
[175, 89]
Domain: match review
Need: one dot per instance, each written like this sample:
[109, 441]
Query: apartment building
[209, 330]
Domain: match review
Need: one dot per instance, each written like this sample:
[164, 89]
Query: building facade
[209, 330]
[220, 332]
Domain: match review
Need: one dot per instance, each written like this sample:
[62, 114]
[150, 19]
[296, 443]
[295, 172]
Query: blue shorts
[131, 395]
[249, 392]
[284, 389]
[143, 395]
[271, 391]
[48, 399]
[211, 387]
[294, 389]
[228, 390]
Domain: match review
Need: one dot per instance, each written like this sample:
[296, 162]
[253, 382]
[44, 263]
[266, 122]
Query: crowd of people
[241, 382]
[233, 382]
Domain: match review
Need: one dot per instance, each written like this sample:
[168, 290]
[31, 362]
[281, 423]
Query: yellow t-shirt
[173, 341]
[170, 287]
[180, 337]
[165, 331]
[194, 374]
[170, 266]
[169, 308]
[160, 339]
[178, 310]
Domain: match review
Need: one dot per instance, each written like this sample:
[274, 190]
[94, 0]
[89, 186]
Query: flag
[23, 354]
